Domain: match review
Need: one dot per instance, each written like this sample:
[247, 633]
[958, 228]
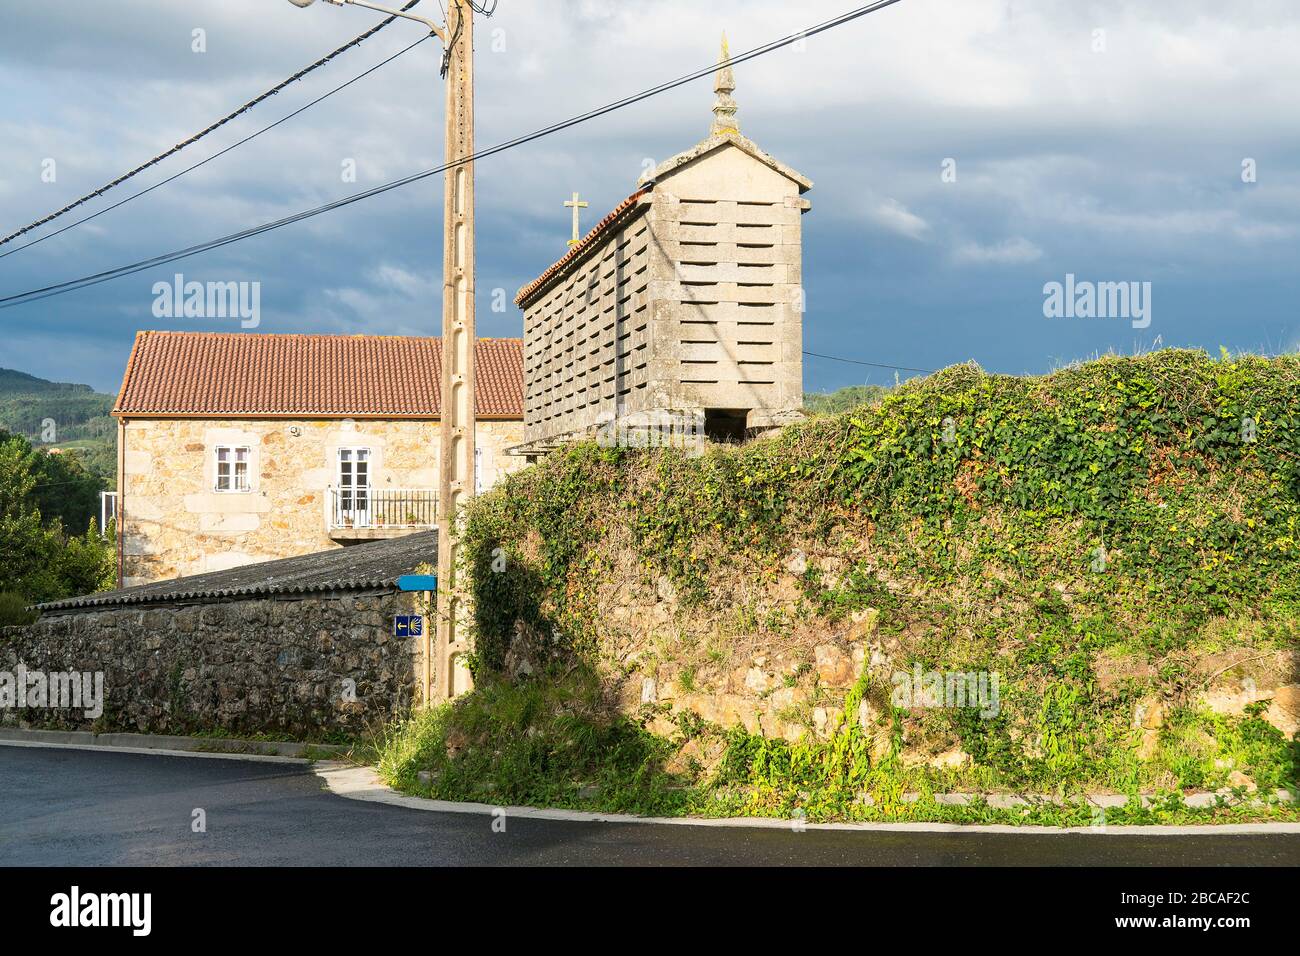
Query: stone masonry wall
[246, 667]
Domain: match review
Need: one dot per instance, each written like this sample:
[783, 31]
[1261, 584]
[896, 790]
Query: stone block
[1284, 712]
[784, 698]
[834, 667]
[757, 681]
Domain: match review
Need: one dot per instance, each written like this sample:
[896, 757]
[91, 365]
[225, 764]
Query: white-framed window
[232, 468]
[354, 486]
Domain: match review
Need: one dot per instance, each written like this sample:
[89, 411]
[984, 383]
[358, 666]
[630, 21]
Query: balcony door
[354, 487]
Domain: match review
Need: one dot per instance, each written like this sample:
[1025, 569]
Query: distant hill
[80, 416]
[14, 382]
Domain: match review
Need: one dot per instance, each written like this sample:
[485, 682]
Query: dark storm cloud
[1116, 164]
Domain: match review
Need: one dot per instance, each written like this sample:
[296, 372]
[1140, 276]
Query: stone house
[682, 307]
[236, 448]
[306, 647]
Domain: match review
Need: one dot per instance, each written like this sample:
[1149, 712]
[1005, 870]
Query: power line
[897, 368]
[204, 162]
[122, 271]
[355, 41]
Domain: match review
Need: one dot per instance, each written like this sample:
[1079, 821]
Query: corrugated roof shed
[373, 566]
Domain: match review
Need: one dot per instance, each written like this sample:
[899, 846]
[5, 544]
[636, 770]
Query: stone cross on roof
[724, 107]
[576, 206]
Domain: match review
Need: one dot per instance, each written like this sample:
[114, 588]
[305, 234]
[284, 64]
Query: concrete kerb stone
[363, 783]
[160, 742]
[83, 737]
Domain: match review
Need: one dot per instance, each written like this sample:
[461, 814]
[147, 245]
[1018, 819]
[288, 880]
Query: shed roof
[373, 566]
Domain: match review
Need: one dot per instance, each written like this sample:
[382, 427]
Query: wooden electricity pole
[456, 450]
[443, 678]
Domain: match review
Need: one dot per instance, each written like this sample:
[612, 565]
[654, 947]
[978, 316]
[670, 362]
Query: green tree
[39, 559]
[832, 403]
[66, 490]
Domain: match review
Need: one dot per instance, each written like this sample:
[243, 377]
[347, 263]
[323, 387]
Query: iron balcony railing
[383, 508]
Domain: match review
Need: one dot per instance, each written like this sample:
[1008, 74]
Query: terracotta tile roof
[224, 374]
[583, 245]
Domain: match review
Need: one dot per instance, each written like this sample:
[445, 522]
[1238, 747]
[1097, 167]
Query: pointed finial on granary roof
[724, 107]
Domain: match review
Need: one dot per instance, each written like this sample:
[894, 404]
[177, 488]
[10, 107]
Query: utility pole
[456, 447]
[444, 678]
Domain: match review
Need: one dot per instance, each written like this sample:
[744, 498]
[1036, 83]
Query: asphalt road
[89, 808]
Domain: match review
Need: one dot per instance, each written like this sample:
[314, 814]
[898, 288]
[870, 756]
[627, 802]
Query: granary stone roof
[717, 141]
[620, 212]
[373, 566]
[629, 206]
[251, 375]
[724, 131]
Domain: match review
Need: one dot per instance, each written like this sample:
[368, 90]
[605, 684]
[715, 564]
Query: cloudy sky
[964, 153]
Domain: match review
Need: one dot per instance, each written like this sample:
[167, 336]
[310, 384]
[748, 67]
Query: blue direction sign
[408, 625]
[417, 582]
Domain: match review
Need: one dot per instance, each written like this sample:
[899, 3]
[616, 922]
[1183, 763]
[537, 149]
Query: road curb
[164, 743]
[154, 752]
[363, 783]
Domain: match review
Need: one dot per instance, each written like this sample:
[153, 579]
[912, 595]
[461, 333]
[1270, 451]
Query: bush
[544, 741]
[13, 610]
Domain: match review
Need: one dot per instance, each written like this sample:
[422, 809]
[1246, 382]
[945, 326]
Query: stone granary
[683, 305]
